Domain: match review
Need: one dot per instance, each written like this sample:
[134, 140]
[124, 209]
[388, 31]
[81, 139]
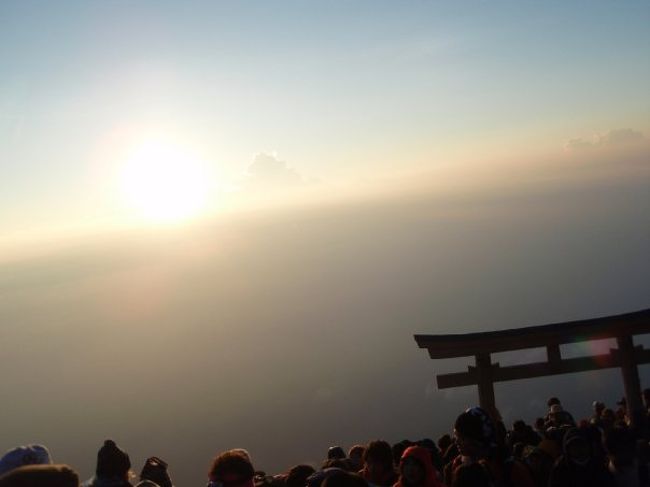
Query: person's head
[155, 470]
[298, 475]
[444, 442]
[335, 452]
[40, 476]
[355, 454]
[474, 432]
[344, 479]
[519, 426]
[24, 455]
[378, 457]
[598, 407]
[552, 400]
[577, 447]
[399, 448]
[539, 424]
[232, 469]
[556, 414]
[112, 462]
[415, 466]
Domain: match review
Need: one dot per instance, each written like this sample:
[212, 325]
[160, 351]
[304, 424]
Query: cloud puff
[616, 137]
[267, 170]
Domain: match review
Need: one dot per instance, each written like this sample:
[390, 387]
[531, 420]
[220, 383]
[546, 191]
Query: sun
[165, 182]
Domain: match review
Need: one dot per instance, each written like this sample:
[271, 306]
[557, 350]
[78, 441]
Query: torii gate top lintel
[467, 344]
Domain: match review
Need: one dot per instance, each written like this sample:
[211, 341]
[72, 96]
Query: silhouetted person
[298, 475]
[477, 439]
[112, 469]
[24, 455]
[621, 450]
[155, 470]
[232, 468]
[40, 476]
[378, 469]
[577, 466]
[355, 456]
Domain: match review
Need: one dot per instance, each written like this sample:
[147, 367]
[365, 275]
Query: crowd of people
[605, 450]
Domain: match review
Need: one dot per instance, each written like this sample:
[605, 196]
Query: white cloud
[269, 171]
[615, 137]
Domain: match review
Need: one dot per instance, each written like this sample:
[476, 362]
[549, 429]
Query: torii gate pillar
[485, 382]
[631, 381]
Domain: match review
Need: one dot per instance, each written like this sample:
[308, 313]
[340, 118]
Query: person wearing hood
[113, 467]
[577, 467]
[416, 469]
[24, 455]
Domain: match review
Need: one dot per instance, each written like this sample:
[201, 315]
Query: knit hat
[477, 425]
[111, 461]
[24, 455]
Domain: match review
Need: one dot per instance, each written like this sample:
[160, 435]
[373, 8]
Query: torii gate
[485, 373]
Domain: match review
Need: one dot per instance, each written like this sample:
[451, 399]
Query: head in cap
[475, 432]
[112, 463]
[335, 452]
[24, 455]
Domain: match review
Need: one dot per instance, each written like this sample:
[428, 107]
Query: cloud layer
[617, 137]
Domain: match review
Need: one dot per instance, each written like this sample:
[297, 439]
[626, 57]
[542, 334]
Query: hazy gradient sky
[370, 170]
[344, 94]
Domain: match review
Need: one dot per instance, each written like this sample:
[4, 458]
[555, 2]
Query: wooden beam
[463, 345]
[540, 369]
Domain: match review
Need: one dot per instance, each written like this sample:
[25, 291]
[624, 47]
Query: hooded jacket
[423, 457]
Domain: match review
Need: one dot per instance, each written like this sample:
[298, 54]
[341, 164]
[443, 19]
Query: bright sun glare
[165, 182]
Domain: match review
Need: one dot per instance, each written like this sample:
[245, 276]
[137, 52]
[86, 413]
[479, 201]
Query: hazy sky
[344, 95]
[221, 223]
